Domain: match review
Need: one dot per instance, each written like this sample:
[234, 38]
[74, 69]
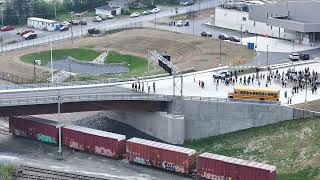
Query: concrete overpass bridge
[94, 97]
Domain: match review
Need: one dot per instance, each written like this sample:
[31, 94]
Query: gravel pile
[103, 123]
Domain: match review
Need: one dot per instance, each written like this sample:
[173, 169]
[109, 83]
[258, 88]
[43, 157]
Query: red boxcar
[34, 128]
[160, 155]
[213, 166]
[94, 141]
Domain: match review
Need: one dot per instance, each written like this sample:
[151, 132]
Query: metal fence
[14, 78]
[71, 34]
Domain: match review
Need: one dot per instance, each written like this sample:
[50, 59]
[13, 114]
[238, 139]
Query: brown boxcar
[160, 155]
[34, 128]
[94, 141]
[213, 166]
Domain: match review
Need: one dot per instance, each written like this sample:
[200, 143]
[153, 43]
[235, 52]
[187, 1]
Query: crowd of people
[140, 86]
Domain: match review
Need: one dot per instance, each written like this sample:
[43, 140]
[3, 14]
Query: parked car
[25, 31]
[304, 56]
[179, 23]
[7, 28]
[66, 23]
[30, 36]
[147, 12]
[64, 28]
[74, 22]
[186, 3]
[206, 34]
[82, 22]
[103, 17]
[94, 31]
[294, 56]
[234, 39]
[110, 16]
[155, 10]
[135, 14]
[221, 74]
[97, 19]
[223, 37]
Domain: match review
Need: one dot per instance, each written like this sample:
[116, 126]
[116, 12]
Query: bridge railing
[78, 98]
[217, 99]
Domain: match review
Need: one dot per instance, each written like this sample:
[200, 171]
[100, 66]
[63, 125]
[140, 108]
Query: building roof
[42, 20]
[107, 8]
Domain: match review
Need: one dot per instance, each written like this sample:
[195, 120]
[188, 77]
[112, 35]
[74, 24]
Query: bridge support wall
[167, 127]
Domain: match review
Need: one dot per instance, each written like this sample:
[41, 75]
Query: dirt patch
[187, 51]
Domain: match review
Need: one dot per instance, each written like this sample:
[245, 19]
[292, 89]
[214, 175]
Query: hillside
[292, 146]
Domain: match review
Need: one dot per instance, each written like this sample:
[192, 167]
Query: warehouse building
[43, 24]
[293, 20]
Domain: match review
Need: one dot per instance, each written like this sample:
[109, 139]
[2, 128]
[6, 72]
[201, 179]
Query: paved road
[106, 25]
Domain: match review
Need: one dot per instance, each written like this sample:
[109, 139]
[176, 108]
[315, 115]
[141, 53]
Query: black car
[304, 56]
[223, 37]
[234, 39]
[206, 34]
[31, 36]
[83, 22]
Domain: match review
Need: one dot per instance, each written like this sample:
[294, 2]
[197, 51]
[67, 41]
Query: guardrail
[76, 98]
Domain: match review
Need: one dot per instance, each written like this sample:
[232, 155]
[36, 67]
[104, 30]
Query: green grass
[292, 146]
[138, 65]
[7, 171]
[81, 54]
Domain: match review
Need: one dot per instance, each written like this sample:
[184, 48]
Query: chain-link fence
[14, 78]
[71, 34]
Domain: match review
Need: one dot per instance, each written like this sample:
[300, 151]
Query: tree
[24, 9]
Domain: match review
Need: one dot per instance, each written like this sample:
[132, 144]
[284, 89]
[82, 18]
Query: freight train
[149, 153]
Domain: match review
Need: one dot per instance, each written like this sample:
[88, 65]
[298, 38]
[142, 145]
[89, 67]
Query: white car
[110, 16]
[294, 56]
[147, 12]
[66, 23]
[135, 14]
[155, 10]
[179, 23]
[97, 19]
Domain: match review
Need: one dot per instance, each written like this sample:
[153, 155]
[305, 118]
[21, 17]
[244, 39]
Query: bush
[7, 171]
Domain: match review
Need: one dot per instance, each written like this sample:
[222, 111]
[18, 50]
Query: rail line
[4, 131]
[36, 173]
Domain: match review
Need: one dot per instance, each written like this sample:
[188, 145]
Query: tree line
[16, 12]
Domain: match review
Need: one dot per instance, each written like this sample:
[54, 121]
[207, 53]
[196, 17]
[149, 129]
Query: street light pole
[59, 118]
[155, 20]
[51, 63]
[241, 33]
[267, 55]
[34, 70]
[1, 16]
[293, 46]
[220, 53]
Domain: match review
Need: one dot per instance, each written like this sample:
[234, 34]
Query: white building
[108, 10]
[237, 20]
[43, 24]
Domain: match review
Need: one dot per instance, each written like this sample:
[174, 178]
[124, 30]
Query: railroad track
[5, 131]
[34, 173]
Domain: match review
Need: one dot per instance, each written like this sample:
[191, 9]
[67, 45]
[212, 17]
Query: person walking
[154, 87]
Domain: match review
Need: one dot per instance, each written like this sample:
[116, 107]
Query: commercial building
[43, 24]
[295, 21]
[108, 10]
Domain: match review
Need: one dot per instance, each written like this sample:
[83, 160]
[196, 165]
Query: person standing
[154, 87]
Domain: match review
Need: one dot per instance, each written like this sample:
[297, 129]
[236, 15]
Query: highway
[106, 25]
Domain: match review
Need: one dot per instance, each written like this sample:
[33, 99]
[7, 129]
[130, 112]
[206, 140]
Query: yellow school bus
[264, 94]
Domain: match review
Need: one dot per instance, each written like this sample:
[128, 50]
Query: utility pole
[55, 10]
[193, 20]
[71, 28]
[1, 16]
[293, 46]
[155, 20]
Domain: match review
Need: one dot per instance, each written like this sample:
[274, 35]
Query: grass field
[292, 146]
[81, 54]
[138, 65]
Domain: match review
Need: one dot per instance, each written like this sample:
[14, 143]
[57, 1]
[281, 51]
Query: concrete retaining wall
[161, 125]
[203, 119]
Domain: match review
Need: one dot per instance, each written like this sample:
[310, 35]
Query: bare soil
[186, 51]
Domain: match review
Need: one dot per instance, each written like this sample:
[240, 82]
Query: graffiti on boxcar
[139, 160]
[45, 138]
[19, 132]
[168, 166]
[180, 169]
[75, 145]
[216, 177]
[103, 151]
